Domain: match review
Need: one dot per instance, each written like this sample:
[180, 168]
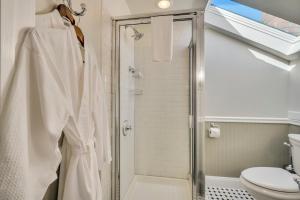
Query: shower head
[136, 34]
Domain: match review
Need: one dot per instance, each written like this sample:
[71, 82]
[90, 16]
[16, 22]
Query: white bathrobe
[53, 91]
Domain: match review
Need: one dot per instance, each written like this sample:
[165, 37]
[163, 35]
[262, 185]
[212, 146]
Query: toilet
[269, 183]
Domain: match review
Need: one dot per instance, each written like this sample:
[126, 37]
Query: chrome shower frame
[196, 96]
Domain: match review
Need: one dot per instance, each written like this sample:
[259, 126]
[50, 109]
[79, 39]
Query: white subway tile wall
[127, 109]
[161, 112]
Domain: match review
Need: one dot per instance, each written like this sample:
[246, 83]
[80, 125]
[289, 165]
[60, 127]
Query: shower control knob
[126, 128]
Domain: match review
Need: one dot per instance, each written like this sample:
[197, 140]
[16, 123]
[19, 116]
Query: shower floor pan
[158, 188]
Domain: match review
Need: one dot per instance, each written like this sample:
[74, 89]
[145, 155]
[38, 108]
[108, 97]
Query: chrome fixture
[82, 12]
[126, 128]
[297, 180]
[135, 73]
[136, 35]
[138, 75]
[132, 69]
[288, 144]
[289, 167]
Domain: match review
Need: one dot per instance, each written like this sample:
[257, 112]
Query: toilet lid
[271, 178]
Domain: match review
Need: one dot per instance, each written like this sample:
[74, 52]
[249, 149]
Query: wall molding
[259, 120]
[293, 119]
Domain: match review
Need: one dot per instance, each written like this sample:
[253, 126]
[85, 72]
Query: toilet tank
[295, 142]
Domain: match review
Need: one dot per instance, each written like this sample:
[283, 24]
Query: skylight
[258, 16]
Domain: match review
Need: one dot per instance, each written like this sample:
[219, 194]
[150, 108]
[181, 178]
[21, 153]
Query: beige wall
[244, 145]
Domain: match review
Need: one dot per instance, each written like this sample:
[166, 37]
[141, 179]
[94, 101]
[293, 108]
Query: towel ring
[77, 13]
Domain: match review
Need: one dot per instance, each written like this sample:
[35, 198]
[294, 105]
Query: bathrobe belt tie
[83, 148]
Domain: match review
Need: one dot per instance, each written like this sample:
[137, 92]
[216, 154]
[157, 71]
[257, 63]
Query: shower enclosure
[157, 127]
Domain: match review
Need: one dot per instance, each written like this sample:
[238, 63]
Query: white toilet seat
[271, 178]
[272, 183]
[271, 194]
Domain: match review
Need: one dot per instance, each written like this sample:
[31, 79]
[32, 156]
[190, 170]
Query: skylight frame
[258, 15]
[272, 40]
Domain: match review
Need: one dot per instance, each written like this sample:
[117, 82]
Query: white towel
[162, 38]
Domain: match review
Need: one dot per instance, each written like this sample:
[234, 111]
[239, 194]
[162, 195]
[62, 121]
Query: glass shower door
[154, 116]
[155, 113]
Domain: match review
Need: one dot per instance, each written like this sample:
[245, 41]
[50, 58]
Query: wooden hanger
[65, 12]
[79, 34]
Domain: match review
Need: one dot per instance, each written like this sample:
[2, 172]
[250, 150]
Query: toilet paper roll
[214, 132]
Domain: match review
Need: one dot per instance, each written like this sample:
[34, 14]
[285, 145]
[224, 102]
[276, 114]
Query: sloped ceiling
[148, 6]
[286, 9]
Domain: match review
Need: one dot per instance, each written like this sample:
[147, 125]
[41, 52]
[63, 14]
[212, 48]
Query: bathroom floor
[225, 188]
[223, 193]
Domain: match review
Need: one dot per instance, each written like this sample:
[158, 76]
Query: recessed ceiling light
[164, 4]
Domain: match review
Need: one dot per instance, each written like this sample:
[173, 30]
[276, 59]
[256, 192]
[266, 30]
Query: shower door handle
[126, 128]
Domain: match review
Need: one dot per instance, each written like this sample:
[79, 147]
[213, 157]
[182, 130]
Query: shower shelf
[137, 91]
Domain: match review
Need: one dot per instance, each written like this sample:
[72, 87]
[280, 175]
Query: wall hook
[77, 13]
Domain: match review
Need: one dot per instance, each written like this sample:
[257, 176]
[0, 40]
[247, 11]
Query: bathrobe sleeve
[100, 113]
[31, 122]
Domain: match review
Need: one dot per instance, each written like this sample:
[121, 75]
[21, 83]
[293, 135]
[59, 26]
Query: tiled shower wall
[161, 111]
[126, 109]
[244, 145]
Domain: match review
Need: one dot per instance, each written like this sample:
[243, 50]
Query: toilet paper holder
[214, 131]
